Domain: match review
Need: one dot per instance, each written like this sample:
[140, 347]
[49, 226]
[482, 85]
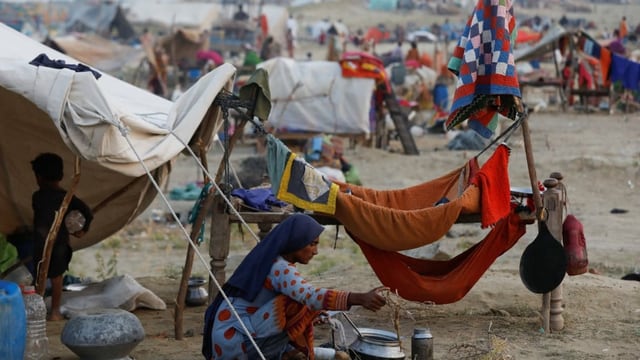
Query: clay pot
[103, 334]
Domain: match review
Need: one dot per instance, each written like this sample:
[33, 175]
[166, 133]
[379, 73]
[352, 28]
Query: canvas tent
[313, 96]
[97, 51]
[103, 19]
[118, 130]
[546, 45]
[195, 15]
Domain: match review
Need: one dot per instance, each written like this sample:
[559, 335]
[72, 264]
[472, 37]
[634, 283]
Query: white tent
[199, 15]
[114, 127]
[313, 96]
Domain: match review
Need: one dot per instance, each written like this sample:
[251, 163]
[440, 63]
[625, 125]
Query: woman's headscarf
[294, 233]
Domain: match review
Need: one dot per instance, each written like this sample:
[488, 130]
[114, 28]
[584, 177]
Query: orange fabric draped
[402, 219]
[442, 282]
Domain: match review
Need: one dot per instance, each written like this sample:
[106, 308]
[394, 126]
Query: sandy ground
[599, 156]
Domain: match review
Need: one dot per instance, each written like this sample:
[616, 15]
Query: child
[48, 169]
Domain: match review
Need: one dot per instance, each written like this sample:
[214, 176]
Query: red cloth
[442, 282]
[495, 200]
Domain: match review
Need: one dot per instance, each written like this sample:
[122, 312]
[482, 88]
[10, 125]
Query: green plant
[172, 271]
[108, 269]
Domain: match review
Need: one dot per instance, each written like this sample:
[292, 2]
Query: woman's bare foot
[55, 316]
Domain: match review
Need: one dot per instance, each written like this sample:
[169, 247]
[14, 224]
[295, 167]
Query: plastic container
[13, 322]
[74, 221]
[421, 344]
[37, 343]
[20, 275]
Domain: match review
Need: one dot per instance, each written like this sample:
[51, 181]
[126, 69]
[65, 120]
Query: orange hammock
[402, 219]
[383, 222]
[442, 282]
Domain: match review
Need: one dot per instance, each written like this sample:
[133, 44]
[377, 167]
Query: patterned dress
[265, 316]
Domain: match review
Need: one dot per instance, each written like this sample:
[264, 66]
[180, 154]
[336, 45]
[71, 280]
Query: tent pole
[43, 265]
[188, 263]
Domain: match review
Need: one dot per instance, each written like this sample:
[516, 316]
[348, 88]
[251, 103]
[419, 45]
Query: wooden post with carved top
[554, 203]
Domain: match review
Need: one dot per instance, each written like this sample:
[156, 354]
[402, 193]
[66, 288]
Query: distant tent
[96, 51]
[376, 34]
[104, 19]
[547, 44]
[383, 5]
[200, 15]
[313, 96]
[183, 45]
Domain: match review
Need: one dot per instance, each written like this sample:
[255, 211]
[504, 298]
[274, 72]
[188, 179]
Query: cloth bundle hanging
[485, 65]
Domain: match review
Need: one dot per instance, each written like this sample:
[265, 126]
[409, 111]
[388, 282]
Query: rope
[124, 131]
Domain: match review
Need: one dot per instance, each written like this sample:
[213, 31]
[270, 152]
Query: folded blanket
[484, 63]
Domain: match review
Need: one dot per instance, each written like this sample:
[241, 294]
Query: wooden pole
[205, 205]
[554, 200]
[43, 266]
[540, 213]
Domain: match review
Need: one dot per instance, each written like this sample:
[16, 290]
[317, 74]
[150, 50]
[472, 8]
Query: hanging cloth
[402, 219]
[485, 65]
[442, 282]
[297, 182]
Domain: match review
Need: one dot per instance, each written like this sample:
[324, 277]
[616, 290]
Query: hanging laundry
[485, 65]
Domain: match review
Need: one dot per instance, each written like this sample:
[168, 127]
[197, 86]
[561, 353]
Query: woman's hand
[371, 300]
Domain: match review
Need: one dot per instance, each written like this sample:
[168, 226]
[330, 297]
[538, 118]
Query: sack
[575, 246]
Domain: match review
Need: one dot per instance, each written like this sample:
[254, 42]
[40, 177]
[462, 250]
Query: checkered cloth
[484, 63]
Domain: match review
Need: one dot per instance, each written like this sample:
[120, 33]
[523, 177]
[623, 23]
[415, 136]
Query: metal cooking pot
[373, 344]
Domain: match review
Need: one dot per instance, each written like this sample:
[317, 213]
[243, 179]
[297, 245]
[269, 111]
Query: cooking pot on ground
[374, 344]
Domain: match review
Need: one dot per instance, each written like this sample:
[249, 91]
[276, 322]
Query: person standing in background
[623, 29]
[48, 170]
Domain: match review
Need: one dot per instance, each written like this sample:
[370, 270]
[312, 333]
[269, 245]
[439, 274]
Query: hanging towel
[484, 63]
[625, 71]
[591, 47]
[495, 201]
[256, 90]
[297, 182]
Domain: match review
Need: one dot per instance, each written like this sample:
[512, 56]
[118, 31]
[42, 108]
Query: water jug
[13, 322]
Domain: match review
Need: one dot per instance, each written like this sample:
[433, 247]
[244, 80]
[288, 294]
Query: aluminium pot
[374, 344]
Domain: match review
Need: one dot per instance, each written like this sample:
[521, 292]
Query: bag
[575, 246]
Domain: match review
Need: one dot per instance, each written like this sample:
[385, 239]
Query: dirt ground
[599, 156]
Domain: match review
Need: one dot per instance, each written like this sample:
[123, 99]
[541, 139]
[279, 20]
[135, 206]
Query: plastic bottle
[37, 343]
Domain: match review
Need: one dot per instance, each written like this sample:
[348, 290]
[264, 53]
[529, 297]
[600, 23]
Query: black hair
[48, 166]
